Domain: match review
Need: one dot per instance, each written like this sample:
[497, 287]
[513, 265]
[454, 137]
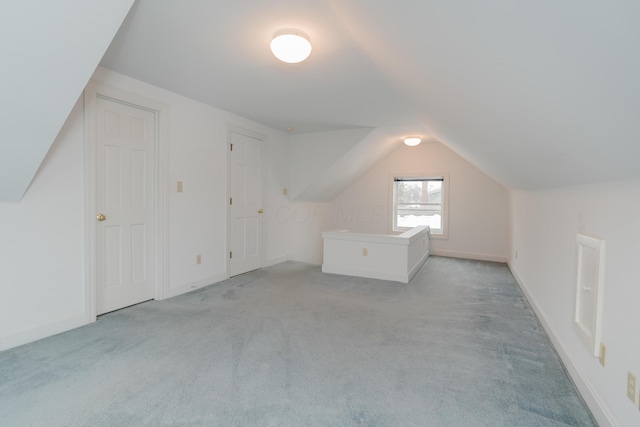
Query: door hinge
[230, 200]
[231, 147]
[230, 254]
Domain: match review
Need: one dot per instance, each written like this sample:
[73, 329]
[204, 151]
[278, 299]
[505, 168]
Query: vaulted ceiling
[537, 94]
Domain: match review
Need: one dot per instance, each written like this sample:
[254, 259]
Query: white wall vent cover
[589, 291]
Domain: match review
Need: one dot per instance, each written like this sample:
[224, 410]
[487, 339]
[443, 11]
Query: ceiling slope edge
[50, 58]
[350, 166]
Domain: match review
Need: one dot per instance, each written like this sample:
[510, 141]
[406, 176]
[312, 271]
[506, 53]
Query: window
[420, 200]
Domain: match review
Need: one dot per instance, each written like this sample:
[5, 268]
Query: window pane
[409, 191]
[434, 191]
[419, 203]
[413, 219]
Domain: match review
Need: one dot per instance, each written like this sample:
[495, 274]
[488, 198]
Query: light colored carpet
[291, 346]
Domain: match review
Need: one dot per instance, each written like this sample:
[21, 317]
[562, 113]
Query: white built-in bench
[378, 256]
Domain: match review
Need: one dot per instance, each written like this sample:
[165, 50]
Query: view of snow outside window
[419, 203]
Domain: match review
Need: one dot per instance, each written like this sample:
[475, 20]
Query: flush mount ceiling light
[412, 141]
[290, 45]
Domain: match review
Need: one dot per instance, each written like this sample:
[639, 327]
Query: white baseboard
[600, 411]
[396, 277]
[468, 255]
[42, 331]
[179, 290]
[275, 261]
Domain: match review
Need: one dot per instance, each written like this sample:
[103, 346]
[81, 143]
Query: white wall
[42, 245]
[313, 153]
[49, 50]
[198, 150]
[306, 222]
[478, 206]
[277, 227]
[544, 225]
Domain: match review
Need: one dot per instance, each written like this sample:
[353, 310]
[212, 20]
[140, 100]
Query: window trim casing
[445, 200]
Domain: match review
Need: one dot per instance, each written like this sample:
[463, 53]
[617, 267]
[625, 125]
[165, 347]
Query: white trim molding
[598, 408]
[468, 255]
[92, 92]
[276, 261]
[199, 284]
[377, 256]
[589, 291]
[28, 335]
[233, 128]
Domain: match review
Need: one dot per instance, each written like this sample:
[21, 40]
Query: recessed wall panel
[253, 187]
[138, 174]
[113, 253]
[111, 123]
[252, 236]
[138, 253]
[253, 152]
[137, 129]
[239, 184]
[239, 239]
[113, 175]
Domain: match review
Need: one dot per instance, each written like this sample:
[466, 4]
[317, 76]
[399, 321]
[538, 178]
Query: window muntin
[419, 201]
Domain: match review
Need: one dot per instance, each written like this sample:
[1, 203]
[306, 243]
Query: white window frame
[435, 234]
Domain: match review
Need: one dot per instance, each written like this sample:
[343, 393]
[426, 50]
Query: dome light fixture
[412, 141]
[290, 45]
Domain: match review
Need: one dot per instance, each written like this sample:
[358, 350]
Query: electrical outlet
[603, 353]
[198, 259]
[631, 387]
[365, 252]
[179, 187]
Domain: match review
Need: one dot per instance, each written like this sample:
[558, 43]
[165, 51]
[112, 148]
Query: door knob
[260, 211]
[101, 217]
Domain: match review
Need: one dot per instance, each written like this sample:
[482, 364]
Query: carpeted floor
[291, 346]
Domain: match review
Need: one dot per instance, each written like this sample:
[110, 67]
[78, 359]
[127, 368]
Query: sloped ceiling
[49, 51]
[330, 176]
[536, 93]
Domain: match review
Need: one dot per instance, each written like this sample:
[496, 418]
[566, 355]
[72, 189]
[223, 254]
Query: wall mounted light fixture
[291, 45]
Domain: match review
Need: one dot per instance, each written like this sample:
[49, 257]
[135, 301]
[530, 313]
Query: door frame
[92, 92]
[231, 128]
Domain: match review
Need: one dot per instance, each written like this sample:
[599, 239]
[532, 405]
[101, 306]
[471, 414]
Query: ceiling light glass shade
[412, 141]
[291, 45]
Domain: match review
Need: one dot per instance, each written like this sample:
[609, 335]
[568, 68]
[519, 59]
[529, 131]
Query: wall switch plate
[631, 387]
[179, 187]
[198, 259]
[365, 252]
[603, 354]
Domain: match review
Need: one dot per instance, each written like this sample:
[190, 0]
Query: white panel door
[245, 204]
[125, 205]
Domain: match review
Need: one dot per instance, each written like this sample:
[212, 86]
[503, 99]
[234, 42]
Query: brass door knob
[101, 217]
[260, 211]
